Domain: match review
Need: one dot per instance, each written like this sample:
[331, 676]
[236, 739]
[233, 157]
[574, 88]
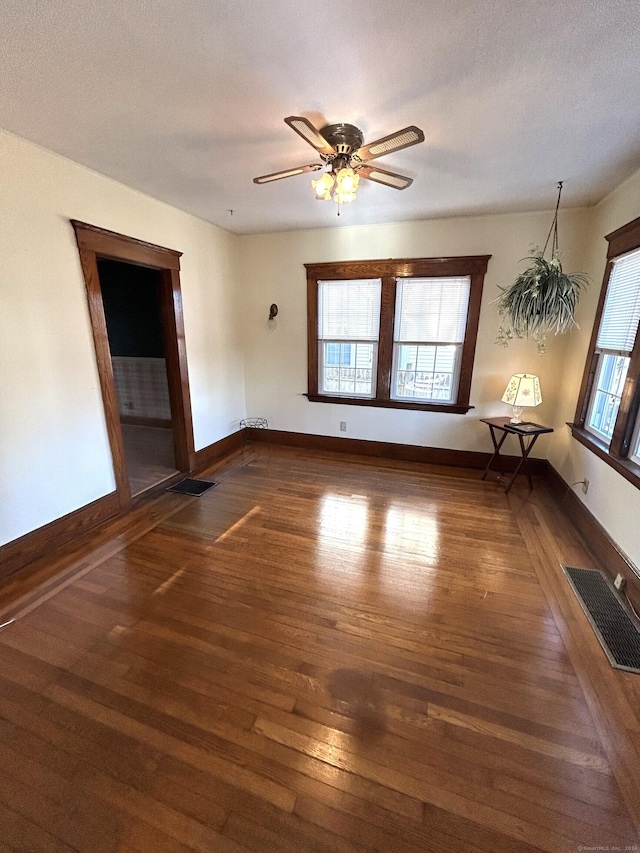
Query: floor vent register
[191, 487]
[614, 627]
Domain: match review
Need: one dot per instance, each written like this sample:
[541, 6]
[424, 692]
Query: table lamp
[523, 390]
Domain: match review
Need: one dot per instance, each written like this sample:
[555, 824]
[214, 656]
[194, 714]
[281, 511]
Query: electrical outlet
[343, 426]
[585, 486]
[619, 582]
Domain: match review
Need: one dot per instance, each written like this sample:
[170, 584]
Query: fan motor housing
[343, 138]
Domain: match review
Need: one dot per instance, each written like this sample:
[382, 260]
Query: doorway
[131, 302]
[135, 306]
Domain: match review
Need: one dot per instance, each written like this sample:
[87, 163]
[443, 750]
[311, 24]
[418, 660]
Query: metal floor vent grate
[616, 631]
[191, 487]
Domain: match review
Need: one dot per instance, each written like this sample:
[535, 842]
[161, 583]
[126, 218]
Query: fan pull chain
[554, 227]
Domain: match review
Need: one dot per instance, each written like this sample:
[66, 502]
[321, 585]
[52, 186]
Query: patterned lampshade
[523, 390]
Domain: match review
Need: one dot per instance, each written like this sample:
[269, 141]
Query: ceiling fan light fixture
[343, 154]
[340, 186]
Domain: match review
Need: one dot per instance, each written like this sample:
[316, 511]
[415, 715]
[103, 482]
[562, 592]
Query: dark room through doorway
[132, 309]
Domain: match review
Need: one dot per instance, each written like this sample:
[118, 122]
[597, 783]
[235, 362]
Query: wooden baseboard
[214, 452]
[16, 554]
[608, 555]
[389, 450]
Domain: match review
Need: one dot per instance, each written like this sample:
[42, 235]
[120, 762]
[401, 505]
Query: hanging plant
[543, 299]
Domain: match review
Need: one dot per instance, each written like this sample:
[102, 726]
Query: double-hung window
[396, 333]
[607, 419]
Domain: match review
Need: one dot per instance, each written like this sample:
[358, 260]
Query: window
[339, 354]
[348, 324]
[607, 393]
[607, 416]
[397, 333]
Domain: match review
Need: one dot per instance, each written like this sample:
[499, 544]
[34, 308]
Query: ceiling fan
[341, 149]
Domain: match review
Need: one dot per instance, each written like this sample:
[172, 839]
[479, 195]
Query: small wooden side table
[522, 431]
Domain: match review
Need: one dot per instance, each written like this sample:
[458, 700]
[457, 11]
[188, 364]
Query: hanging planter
[543, 299]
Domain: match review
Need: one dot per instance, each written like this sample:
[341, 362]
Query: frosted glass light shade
[341, 197]
[323, 186]
[347, 180]
[523, 390]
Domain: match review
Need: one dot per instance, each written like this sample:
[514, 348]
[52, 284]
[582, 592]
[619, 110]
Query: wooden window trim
[474, 266]
[623, 240]
[628, 469]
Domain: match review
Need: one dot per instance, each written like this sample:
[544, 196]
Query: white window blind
[621, 314]
[349, 310]
[432, 310]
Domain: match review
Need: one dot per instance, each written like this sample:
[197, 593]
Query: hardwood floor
[149, 456]
[324, 653]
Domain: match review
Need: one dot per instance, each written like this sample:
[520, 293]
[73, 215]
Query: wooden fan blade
[309, 133]
[381, 176]
[411, 135]
[287, 173]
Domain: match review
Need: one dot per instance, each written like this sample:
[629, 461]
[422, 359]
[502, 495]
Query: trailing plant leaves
[542, 300]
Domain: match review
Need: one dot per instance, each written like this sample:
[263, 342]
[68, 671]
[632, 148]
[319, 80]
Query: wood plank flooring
[324, 653]
[149, 456]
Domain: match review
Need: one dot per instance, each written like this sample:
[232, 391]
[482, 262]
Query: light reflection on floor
[237, 525]
[344, 522]
[166, 585]
[344, 548]
[413, 531]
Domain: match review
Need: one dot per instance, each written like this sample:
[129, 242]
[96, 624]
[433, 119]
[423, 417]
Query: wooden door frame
[95, 244]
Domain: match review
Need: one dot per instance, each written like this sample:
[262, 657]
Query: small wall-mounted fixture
[273, 313]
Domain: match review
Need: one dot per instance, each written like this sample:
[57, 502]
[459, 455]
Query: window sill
[450, 408]
[627, 469]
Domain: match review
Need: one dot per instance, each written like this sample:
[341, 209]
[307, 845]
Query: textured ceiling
[185, 100]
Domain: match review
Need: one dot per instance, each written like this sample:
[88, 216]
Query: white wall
[276, 361]
[54, 452]
[611, 499]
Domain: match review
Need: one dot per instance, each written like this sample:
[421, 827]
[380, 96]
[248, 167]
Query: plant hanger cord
[554, 227]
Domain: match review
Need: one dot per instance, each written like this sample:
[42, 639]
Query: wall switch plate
[619, 582]
[585, 486]
[343, 426]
